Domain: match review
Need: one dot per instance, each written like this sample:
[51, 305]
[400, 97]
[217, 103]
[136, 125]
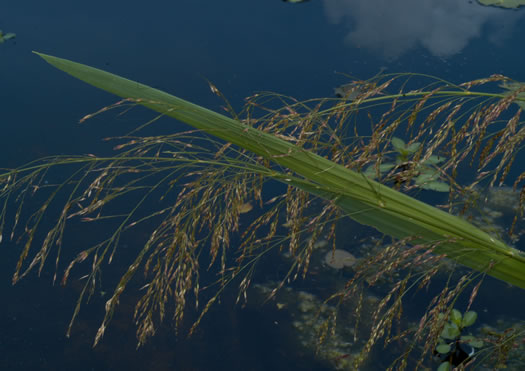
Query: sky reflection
[443, 27]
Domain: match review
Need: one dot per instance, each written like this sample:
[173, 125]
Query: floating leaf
[456, 317]
[433, 160]
[472, 341]
[443, 348]
[512, 87]
[445, 366]
[426, 175]
[469, 318]
[245, 208]
[412, 147]
[403, 149]
[436, 186]
[371, 171]
[6, 36]
[349, 91]
[476, 343]
[450, 331]
[511, 4]
[398, 144]
[427, 180]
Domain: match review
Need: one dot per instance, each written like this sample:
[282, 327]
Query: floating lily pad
[338, 259]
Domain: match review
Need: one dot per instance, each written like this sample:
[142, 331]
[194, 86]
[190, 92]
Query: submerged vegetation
[333, 161]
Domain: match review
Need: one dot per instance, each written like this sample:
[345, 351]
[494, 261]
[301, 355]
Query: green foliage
[457, 323]
[6, 36]
[424, 174]
[311, 148]
[451, 335]
[511, 4]
[450, 331]
[445, 366]
[443, 348]
[473, 341]
[469, 318]
[456, 317]
[364, 200]
[517, 89]
[403, 149]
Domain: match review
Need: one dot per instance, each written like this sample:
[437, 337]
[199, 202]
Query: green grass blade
[365, 200]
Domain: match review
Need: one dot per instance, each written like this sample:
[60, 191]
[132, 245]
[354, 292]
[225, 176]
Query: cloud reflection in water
[443, 27]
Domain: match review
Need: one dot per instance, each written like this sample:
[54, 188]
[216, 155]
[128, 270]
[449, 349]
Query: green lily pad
[445, 366]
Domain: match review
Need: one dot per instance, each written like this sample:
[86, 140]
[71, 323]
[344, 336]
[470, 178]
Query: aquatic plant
[424, 174]
[338, 259]
[454, 347]
[511, 4]
[6, 36]
[315, 149]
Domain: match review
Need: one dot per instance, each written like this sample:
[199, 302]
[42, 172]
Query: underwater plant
[316, 150]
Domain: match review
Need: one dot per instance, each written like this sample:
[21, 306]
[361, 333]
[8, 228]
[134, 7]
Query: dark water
[242, 47]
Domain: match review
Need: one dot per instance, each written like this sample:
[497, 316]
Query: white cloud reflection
[443, 27]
